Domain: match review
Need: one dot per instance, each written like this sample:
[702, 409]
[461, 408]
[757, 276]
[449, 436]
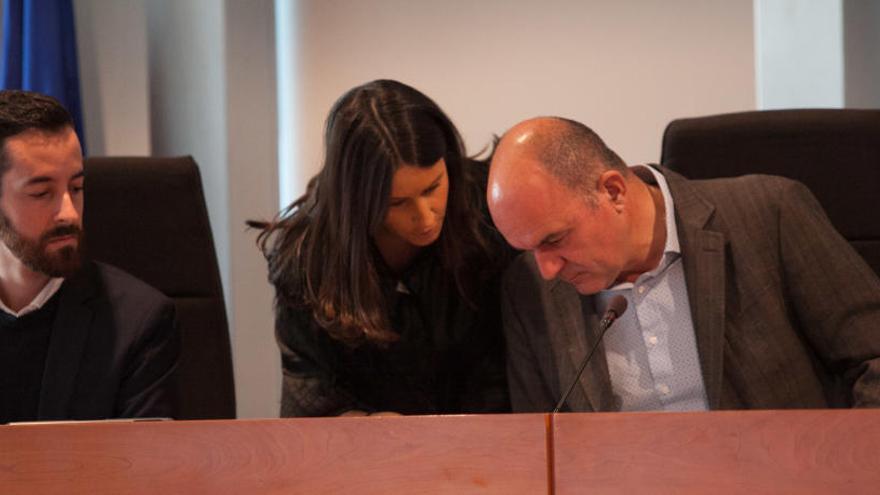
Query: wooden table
[822, 451]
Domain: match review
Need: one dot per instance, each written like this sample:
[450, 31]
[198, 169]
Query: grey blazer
[786, 314]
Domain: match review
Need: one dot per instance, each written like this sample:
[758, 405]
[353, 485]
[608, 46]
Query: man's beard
[35, 255]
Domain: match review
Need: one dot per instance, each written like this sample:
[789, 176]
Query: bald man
[741, 294]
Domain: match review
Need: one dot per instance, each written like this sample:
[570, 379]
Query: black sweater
[24, 343]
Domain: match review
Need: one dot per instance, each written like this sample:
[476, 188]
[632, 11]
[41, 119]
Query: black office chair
[836, 153]
[147, 216]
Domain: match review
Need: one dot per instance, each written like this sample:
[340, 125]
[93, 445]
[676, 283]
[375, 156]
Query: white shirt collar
[672, 248]
[44, 295]
[672, 245]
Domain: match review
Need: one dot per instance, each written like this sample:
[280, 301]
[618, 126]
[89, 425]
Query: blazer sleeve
[834, 292]
[529, 391]
[149, 385]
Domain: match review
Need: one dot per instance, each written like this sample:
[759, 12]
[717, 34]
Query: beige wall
[799, 58]
[197, 77]
[625, 68]
[252, 151]
[861, 20]
[112, 48]
[212, 84]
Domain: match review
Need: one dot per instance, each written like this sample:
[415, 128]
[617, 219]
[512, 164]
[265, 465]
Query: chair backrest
[835, 153]
[147, 216]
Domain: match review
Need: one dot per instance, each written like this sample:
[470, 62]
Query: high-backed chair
[148, 217]
[836, 153]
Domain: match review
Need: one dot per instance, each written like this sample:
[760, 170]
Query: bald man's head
[555, 189]
[568, 150]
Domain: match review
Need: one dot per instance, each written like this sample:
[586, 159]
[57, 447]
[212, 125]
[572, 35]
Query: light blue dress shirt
[651, 349]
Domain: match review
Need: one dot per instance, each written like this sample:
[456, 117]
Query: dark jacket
[114, 349]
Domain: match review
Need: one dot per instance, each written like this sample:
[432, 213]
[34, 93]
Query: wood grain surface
[754, 452]
[497, 454]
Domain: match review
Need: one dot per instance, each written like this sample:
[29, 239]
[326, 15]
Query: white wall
[861, 21]
[799, 54]
[112, 48]
[624, 68]
[188, 101]
[252, 153]
[212, 84]
[196, 77]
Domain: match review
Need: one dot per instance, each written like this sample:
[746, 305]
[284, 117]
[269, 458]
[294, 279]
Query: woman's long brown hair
[320, 248]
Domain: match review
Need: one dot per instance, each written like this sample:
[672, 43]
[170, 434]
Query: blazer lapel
[703, 253]
[579, 325]
[70, 331]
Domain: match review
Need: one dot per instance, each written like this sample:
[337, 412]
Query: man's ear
[613, 186]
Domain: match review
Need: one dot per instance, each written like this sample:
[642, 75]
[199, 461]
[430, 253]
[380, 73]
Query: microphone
[615, 308]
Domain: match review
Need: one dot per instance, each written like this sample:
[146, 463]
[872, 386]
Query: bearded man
[78, 339]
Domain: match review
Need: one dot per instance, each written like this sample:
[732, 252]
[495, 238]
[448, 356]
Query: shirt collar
[672, 248]
[672, 244]
[39, 301]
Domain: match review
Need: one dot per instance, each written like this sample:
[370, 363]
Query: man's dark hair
[21, 111]
[577, 156]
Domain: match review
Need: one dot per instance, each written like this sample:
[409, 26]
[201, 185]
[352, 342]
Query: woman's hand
[358, 412]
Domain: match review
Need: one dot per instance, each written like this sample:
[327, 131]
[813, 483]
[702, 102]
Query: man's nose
[549, 264]
[67, 211]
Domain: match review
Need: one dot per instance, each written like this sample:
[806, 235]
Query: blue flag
[39, 52]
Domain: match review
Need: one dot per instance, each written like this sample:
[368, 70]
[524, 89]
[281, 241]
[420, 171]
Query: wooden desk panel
[721, 452]
[503, 454]
[754, 452]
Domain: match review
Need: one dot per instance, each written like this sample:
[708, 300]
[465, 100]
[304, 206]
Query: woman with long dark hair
[386, 270]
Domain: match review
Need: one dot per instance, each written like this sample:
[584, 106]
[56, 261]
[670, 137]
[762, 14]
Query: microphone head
[617, 305]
